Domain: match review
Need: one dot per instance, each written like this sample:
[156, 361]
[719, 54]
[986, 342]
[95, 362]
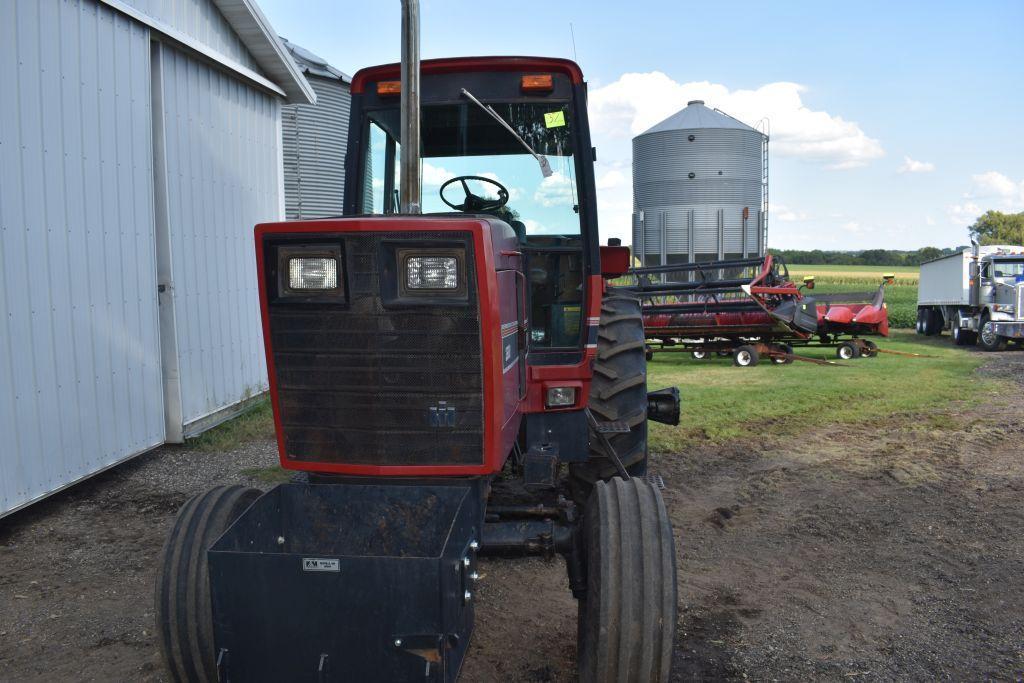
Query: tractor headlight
[312, 273]
[432, 272]
[560, 397]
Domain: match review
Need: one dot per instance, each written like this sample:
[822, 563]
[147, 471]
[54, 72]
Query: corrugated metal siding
[79, 339]
[315, 139]
[222, 173]
[726, 163]
[202, 21]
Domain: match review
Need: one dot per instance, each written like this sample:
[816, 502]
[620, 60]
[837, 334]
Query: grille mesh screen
[356, 385]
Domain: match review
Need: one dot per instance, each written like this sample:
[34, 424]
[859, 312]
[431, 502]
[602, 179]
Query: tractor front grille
[357, 385]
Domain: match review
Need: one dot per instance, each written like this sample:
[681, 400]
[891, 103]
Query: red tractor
[444, 384]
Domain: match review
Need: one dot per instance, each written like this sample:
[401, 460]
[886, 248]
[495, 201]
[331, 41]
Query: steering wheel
[473, 203]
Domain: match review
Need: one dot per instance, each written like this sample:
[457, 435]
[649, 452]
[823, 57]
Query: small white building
[140, 142]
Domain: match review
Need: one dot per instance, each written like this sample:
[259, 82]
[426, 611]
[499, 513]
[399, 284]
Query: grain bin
[700, 188]
[314, 138]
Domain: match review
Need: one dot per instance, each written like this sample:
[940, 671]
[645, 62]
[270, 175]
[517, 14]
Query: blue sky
[893, 124]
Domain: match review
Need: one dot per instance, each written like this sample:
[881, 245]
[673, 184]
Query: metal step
[612, 427]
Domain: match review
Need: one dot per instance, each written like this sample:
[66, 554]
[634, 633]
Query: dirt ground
[882, 551]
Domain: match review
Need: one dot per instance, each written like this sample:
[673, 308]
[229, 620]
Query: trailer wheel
[921, 314]
[184, 617]
[618, 393]
[962, 337]
[627, 617]
[933, 322]
[699, 354]
[847, 351]
[783, 360]
[988, 340]
[745, 356]
[870, 349]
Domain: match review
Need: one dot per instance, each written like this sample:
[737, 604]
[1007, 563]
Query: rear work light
[316, 273]
[432, 272]
[538, 83]
[389, 88]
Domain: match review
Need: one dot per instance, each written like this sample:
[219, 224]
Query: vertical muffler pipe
[409, 173]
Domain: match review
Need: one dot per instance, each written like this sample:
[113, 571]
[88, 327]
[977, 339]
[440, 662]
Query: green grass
[722, 402]
[254, 424]
[269, 475]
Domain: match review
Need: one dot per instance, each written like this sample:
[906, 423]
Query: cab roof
[386, 72]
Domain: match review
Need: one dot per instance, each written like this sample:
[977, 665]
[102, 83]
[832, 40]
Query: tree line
[993, 227]
[865, 257]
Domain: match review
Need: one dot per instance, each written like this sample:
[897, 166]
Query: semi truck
[977, 294]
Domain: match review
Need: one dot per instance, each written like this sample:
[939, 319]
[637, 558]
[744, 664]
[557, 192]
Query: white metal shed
[140, 142]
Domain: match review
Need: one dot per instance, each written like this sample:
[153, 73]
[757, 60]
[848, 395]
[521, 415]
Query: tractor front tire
[627, 617]
[618, 393]
[184, 615]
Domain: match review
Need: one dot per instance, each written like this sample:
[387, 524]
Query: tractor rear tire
[627, 617]
[184, 615]
[618, 393]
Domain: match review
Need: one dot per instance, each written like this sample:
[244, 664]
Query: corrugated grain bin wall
[315, 139]
[694, 174]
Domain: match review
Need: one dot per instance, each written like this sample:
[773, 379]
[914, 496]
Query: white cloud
[611, 179]
[637, 101]
[989, 190]
[995, 185]
[964, 213]
[555, 190]
[913, 166]
[784, 213]
[435, 176]
[928, 220]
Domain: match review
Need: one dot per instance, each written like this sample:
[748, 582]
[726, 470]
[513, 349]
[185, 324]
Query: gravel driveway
[872, 552]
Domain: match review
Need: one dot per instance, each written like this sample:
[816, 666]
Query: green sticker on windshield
[554, 119]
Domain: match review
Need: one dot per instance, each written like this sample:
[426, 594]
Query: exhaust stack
[409, 174]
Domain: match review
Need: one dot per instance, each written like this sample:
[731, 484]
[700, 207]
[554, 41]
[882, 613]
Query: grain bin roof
[696, 115]
[314, 65]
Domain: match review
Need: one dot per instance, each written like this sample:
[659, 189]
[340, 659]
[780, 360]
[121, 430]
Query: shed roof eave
[260, 39]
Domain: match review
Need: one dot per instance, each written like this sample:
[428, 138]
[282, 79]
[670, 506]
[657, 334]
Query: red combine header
[751, 309]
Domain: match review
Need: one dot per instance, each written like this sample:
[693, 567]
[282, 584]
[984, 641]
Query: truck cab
[978, 294]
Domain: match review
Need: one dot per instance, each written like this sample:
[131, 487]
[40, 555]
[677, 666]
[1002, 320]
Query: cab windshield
[1013, 269]
[463, 140]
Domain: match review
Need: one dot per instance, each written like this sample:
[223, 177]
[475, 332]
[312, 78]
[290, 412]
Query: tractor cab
[504, 137]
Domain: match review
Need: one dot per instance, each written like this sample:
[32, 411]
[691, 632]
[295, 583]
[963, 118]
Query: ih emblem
[442, 415]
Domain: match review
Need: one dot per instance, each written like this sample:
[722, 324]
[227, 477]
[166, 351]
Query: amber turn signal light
[389, 88]
[538, 83]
